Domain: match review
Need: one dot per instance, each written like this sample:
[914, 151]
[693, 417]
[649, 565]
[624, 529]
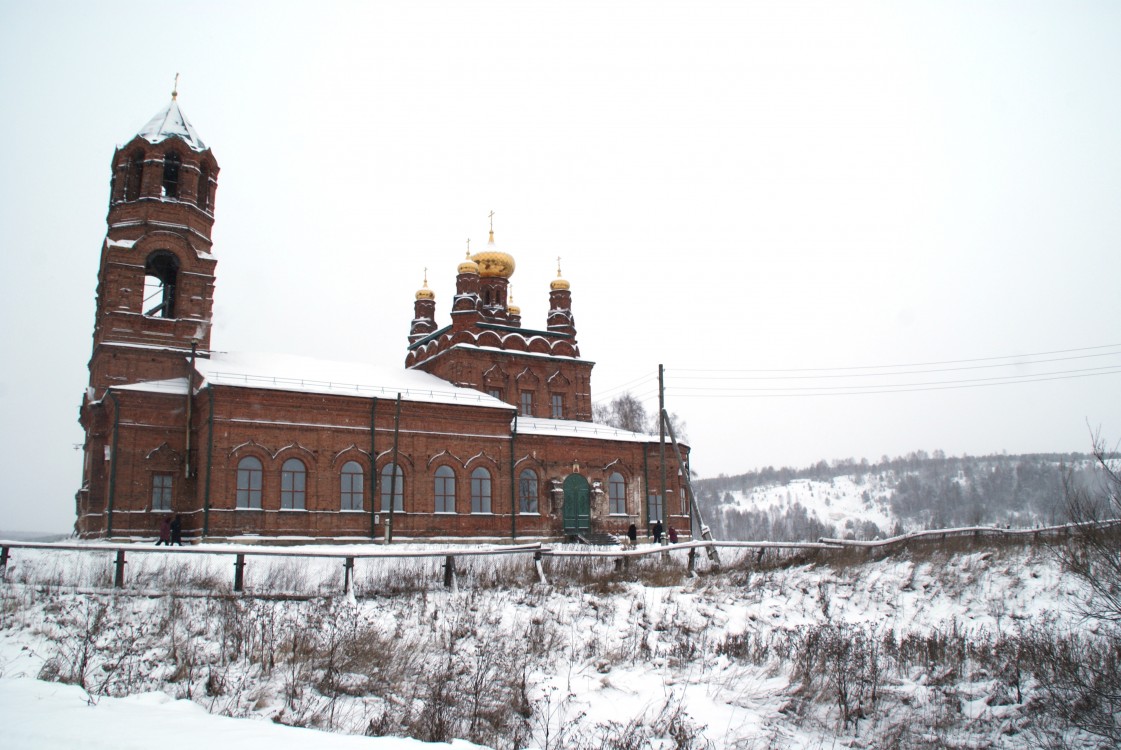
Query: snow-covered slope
[746, 657]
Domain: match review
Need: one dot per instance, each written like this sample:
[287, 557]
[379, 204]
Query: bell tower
[155, 291]
[155, 284]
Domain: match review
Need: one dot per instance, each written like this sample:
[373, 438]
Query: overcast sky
[764, 197]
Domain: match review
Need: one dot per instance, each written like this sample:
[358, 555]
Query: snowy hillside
[927, 648]
[865, 501]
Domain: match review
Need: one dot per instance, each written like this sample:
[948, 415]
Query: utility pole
[662, 438]
[694, 509]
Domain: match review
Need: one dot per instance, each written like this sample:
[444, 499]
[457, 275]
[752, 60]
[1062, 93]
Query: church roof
[286, 372]
[573, 428]
[171, 122]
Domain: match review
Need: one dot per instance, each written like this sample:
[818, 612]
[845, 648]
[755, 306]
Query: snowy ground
[40, 715]
[586, 661]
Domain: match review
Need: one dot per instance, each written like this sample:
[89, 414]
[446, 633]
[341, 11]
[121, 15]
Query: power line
[910, 364]
[889, 388]
[883, 374]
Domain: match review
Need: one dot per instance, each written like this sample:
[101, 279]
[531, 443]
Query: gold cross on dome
[468, 247]
[491, 217]
[558, 267]
[175, 88]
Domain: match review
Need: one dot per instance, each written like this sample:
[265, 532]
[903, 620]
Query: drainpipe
[644, 509]
[190, 383]
[112, 465]
[513, 483]
[396, 472]
[373, 468]
[209, 462]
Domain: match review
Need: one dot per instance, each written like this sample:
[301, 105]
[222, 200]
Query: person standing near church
[177, 530]
[165, 532]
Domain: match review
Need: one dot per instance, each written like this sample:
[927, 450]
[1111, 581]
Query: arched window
[134, 175]
[617, 493]
[527, 491]
[480, 491]
[350, 486]
[171, 165]
[202, 197]
[392, 486]
[293, 482]
[249, 482]
[444, 491]
[161, 272]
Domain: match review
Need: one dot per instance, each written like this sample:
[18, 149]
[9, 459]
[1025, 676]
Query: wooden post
[348, 574]
[449, 574]
[692, 562]
[3, 557]
[540, 568]
[119, 570]
[239, 573]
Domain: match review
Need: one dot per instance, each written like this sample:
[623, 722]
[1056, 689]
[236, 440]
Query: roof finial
[558, 267]
[491, 217]
[175, 88]
[426, 277]
[468, 247]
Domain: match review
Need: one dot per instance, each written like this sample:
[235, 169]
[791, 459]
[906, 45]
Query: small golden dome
[514, 310]
[468, 266]
[558, 283]
[425, 292]
[493, 263]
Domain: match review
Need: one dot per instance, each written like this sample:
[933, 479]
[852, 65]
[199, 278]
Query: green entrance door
[577, 505]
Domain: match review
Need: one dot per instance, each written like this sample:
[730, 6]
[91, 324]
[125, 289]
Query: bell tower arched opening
[161, 274]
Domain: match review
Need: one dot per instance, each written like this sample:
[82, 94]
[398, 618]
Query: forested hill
[863, 500]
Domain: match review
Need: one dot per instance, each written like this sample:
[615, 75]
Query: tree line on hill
[927, 491]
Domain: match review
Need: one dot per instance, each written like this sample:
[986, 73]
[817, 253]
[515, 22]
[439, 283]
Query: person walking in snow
[658, 531]
[165, 532]
[672, 535]
[177, 530]
[632, 534]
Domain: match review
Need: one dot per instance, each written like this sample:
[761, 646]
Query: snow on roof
[169, 122]
[286, 372]
[541, 355]
[174, 385]
[537, 426]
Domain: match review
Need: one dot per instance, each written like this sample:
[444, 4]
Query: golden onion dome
[558, 283]
[468, 266]
[493, 263]
[425, 292]
[514, 310]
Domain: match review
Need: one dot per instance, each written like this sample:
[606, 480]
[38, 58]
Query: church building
[486, 433]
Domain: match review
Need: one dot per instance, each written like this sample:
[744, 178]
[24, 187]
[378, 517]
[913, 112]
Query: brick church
[485, 433]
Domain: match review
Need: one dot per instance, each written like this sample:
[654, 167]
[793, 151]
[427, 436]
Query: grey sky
[732, 186]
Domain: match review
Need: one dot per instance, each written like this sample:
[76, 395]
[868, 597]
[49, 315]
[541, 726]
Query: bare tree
[1081, 673]
[1093, 553]
[627, 413]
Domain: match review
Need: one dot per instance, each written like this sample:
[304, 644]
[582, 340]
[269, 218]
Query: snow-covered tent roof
[286, 372]
[169, 122]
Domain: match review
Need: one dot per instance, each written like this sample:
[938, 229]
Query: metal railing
[539, 551]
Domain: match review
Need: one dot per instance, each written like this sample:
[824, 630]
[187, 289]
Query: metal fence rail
[539, 551]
